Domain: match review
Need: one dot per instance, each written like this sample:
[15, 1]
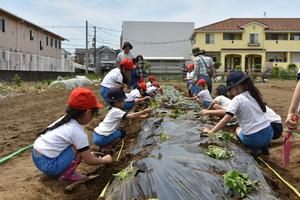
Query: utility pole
[86, 48]
[95, 57]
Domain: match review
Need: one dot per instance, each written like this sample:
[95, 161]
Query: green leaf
[239, 182]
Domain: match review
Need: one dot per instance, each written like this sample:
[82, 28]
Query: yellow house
[251, 42]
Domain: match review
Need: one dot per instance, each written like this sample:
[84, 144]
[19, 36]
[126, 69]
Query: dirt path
[24, 116]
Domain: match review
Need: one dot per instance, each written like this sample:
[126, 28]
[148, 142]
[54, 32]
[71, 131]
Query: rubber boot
[69, 173]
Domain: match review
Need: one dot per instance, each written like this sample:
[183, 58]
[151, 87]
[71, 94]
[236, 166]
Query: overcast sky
[110, 14]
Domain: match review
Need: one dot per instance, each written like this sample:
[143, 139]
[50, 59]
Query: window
[209, 38]
[254, 38]
[276, 36]
[59, 44]
[295, 36]
[51, 42]
[47, 40]
[2, 25]
[41, 45]
[31, 35]
[55, 44]
[232, 36]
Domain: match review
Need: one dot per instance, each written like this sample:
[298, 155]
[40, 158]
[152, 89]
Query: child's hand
[148, 110]
[107, 159]
[204, 112]
[289, 122]
[144, 116]
[206, 130]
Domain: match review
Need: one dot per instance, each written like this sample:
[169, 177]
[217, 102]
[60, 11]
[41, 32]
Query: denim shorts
[128, 105]
[277, 130]
[53, 166]
[101, 140]
[206, 104]
[104, 94]
[259, 139]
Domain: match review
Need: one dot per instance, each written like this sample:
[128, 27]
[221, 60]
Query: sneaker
[72, 177]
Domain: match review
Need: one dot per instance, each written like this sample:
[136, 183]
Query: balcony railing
[253, 44]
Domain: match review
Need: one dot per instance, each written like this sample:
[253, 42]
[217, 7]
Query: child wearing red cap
[189, 78]
[151, 80]
[117, 77]
[108, 131]
[203, 97]
[153, 89]
[61, 146]
[135, 96]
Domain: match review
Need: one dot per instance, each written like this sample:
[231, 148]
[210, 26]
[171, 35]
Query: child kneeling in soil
[108, 132]
[151, 80]
[255, 130]
[154, 89]
[60, 147]
[203, 97]
[135, 96]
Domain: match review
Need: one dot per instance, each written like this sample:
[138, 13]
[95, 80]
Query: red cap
[127, 63]
[151, 78]
[83, 99]
[201, 82]
[142, 86]
[155, 84]
[191, 66]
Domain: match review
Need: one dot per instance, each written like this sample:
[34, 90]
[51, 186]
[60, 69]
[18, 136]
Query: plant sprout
[239, 183]
[164, 137]
[225, 136]
[124, 173]
[219, 152]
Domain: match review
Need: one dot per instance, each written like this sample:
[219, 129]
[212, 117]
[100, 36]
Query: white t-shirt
[123, 55]
[248, 113]
[223, 101]
[205, 95]
[149, 84]
[151, 90]
[190, 75]
[53, 142]
[111, 122]
[134, 94]
[113, 79]
[272, 116]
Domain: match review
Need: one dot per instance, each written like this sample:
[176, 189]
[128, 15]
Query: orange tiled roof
[276, 24]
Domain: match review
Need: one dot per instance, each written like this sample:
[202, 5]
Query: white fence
[17, 61]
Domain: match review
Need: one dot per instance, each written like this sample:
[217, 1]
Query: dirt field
[22, 117]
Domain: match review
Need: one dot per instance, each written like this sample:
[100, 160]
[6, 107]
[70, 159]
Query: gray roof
[159, 39]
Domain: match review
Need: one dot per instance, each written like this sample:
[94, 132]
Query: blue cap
[234, 78]
[222, 90]
[116, 94]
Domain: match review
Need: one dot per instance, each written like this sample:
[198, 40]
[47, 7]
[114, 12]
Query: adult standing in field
[126, 53]
[204, 69]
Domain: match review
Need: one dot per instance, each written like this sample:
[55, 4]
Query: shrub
[281, 73]
[217, 65]
[292, 67]
[257, 67]
[238, 67]
[17, 80]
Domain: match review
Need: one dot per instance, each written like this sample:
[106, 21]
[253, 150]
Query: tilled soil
[23, 116]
